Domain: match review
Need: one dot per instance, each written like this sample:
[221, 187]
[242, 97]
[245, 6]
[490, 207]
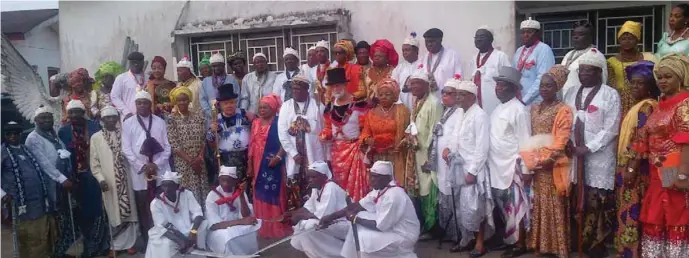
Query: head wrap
[382, 168]
[259, 54]
[322, 43]
[321, 167]
[217, 58]
[411, 40]
[591, 58]
[387, 48]
[75, 104]
[143, 95]
[559, 74]
[79, 76]
[348, 48]
[135, 56]
[678, 64]
[433, 33]
[643, 68]
[290, 51]
[171, 176]
[175, 92]
[228, 171]
[391, 84]
[185, 62]
[109, 111]
[273, 101]
[205, 61]
[159, 59]
[41, 110]
[630, 27]
[111, 68]
[530, 24]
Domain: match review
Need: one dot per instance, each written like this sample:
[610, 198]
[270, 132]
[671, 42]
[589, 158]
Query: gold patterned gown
[188, 134]
[617, 78]
[373, 77]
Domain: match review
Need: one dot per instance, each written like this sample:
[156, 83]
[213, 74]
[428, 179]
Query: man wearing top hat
[509, 124]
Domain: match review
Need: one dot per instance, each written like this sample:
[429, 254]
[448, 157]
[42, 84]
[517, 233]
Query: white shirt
[471, 139]
[573, 76]
[183, 221]
[444, 142]
[252, 91]
[332, 199]
[280, 79]
[602, 122]
[314, 149]
[450, 64]
[133, 136]
[490, 69]
[123, 94]
[401, 73]
[218, 213]
[510, 123]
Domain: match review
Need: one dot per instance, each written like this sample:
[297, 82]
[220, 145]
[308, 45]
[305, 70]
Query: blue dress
[665, 48]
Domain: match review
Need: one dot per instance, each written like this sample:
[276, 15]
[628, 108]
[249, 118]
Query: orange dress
[387, 133]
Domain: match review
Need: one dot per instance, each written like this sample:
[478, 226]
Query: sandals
[514, 252]
[476, 253]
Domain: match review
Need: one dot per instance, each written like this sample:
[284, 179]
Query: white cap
[290, 51]
[592, 58]
[485, 27]
[411, 40]
[311, 48]
[228, 171]
[109, 111]
[171, 176]
[420, 73]
[42, 109]
[185, 62]
[143, 95]
[468, 86]
[75, 104]
[454, 82]
[321, 167]
[382, 168]
[530, 24]
[323, 44]
[259, 54]
[217, 58]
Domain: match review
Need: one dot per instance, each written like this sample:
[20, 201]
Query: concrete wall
[40, 47]
[94, 32]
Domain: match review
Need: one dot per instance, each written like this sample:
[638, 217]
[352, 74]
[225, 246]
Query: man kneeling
[385, 219]
[177, 219]
[326, 198]
[233, 225]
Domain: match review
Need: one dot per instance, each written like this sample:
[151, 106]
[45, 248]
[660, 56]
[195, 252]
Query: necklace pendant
[176, 210]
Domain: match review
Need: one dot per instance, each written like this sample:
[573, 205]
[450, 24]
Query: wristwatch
[193, 231]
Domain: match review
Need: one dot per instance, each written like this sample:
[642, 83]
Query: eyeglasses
[447, 92]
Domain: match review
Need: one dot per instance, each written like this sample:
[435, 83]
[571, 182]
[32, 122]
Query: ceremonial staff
[214, 111]
[580, 166]
[355, 231]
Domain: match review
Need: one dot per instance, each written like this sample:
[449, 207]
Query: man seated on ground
[385, 219]
[178, 223]
[326, 198]
[233, 226]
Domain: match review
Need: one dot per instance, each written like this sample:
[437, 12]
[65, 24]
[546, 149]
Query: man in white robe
[126, 85]
[533, 59]
[233, 225]
[309, 68]
[582, 40]
[109, 168]
[404, 70]
[178, 220]
[256, 84]
[326, 198]
[143, 169]
[188, 79]
[385, 219]
[300, 119]
[283, 82]
[594, 136]
[210, 84]
[510, 123]
[485, 66]
[467, 154]
[441, 63]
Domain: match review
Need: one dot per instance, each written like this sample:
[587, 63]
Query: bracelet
[354, 220]
[279, 157]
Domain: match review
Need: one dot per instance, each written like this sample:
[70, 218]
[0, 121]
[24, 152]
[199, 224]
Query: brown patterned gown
[187, 133]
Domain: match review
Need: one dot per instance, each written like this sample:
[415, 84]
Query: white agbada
[571, 61]
[236, 240]
[253, 90]
[308, 72]
[471, 139]
[396, 219]
[123, 94]
[401, 73]
[328, 242]
[133, 136]
[490, 69]
[280, 79]
[450, 64]
[602, 127]
[510, 123]
[314, 148]
[444, 142]
[160, 246]
[102, 162]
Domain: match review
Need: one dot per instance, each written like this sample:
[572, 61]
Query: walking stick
[214, 111]
[579, 141]
[355, 231]
[15, 226]
[77, 248]
[112, 241]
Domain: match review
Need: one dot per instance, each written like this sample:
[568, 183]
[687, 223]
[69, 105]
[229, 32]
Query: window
[271, 43]
[53, 71]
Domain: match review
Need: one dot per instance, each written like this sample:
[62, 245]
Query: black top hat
[12, 126]
[226, 92]
[336, 75]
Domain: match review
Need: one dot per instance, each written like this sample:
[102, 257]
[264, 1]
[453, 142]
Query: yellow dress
[617, 78]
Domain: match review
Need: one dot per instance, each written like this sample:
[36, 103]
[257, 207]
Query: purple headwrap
[643, 68]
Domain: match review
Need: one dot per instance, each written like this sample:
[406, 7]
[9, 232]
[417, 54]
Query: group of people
[367, 154]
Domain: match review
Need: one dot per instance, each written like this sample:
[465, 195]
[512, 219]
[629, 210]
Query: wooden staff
[579, 141]
[214, 110]
[355, 231]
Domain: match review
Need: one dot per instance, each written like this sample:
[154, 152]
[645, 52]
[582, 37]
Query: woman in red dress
[665, 141]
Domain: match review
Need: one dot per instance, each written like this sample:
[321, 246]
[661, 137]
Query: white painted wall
[40, 47]
[93, 32]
